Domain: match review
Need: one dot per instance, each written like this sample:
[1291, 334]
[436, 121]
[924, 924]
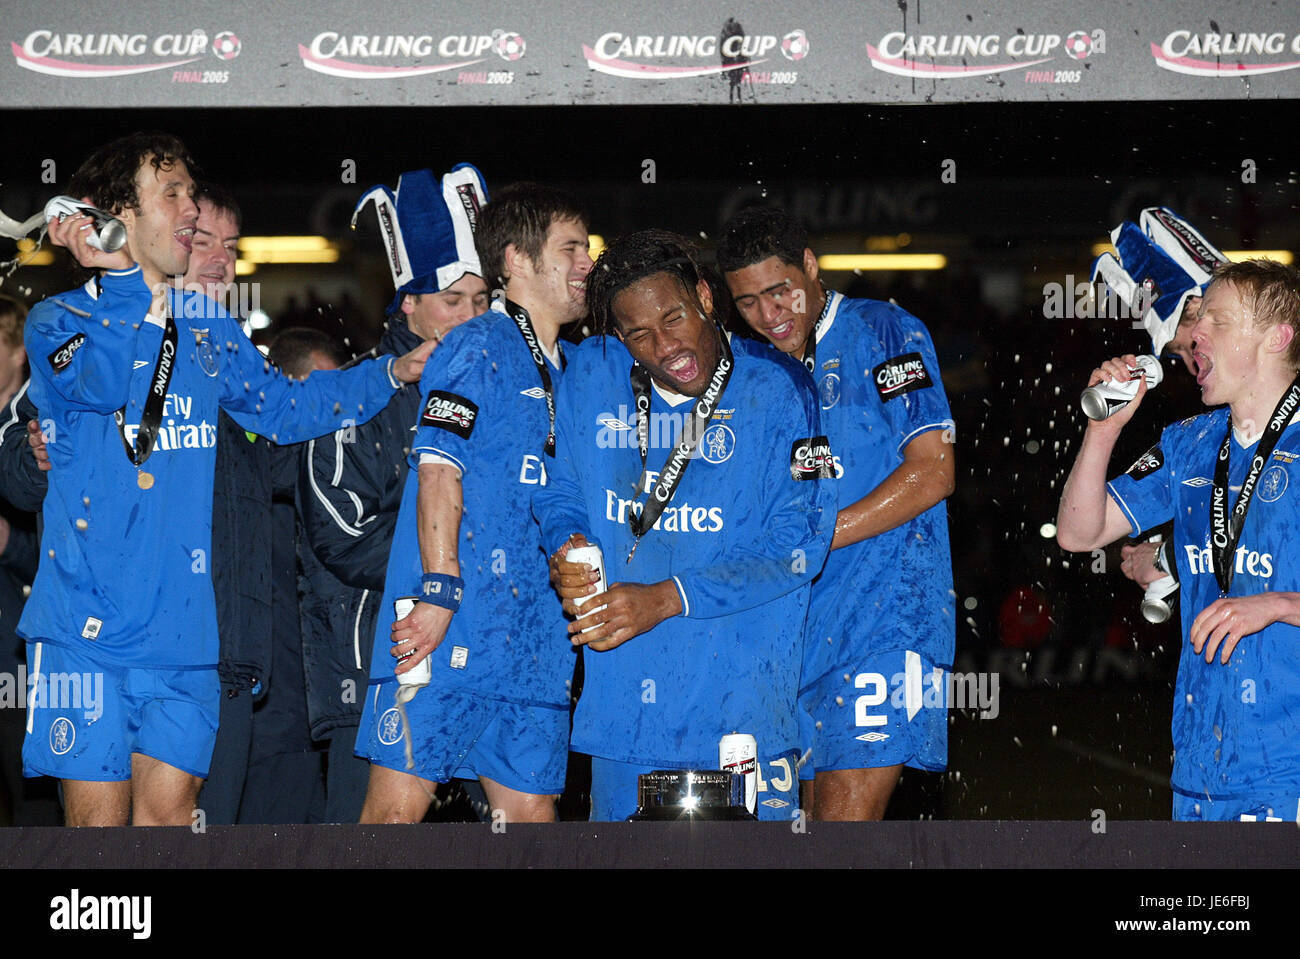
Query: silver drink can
[109, 234]
[1109, 397]
[1157, 602]
[592, 556]
[738, 753]
[422, 671]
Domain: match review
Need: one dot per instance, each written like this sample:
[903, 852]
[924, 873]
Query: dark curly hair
[753, 235]
[108, 175]
[634, 257]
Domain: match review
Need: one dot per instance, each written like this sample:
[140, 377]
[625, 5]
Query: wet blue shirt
[1236, 727]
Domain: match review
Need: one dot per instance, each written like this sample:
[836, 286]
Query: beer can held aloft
[109, 234]
[1108, 397]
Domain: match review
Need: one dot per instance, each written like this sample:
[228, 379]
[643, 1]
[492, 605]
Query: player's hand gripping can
[1108, 397]
[592, 556]
[738, 753]
[422, 672]
[1157, 602]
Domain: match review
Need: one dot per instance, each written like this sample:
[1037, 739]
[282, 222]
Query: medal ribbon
[810, 348]
[152, 416]
[670, 477]
[525, 324]
[1225, 530]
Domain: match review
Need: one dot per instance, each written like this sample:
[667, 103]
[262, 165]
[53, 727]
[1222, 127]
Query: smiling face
[554, 283]
[668, 330]
[214, 251]
[160, 228]
[431, 315]
[779, 301]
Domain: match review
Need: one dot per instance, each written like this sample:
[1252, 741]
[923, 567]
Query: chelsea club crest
[829, 389]
[1273, 484]
[717, 443]
[205, 352]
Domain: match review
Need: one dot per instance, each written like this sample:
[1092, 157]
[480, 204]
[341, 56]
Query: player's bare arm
[628, 610]
[1088, 518]
[439, 508]
[1228, 621]
[926, 476]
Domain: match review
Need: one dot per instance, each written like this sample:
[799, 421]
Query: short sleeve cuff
[941, 425]
[1124, 508]
[437, 458]
[681, 591]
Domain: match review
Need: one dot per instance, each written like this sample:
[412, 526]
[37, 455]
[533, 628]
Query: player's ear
[514, 260]
[809, 263]
[126, 215]
[705, 294]
[1280, 337]
[407, 305]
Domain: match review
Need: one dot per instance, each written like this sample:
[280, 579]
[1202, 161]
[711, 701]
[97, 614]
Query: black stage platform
[888, 845]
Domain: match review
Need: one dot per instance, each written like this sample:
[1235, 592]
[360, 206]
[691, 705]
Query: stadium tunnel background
[1084, 684]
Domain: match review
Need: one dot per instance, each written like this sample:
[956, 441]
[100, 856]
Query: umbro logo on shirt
[612, 422]
[872, 737]
[534, 392]
[1197, 481]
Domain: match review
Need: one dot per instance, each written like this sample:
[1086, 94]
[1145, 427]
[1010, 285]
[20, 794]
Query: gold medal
[144, 480]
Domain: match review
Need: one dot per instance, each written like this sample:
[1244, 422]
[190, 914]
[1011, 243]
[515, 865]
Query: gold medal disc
[145, 480]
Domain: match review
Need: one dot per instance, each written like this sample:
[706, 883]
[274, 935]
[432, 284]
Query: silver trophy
[693, 794]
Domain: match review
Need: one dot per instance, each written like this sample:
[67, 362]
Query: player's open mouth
[1203, 366]
[782, 331]
[683, 369]
[185, 237]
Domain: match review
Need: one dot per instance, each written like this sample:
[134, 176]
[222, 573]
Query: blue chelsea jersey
[125, 564]
[879, 388]
[747, 529]
[484, 410]
[1236, 727]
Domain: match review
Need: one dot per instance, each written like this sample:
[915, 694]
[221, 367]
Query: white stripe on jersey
[34, 680]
